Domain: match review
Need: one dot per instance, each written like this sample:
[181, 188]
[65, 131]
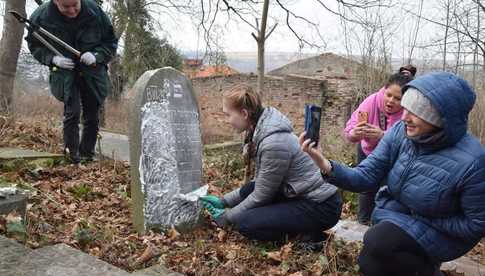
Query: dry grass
[117, 115]
[477, 116]
[336, 147]
[39, 108]
[34, 108]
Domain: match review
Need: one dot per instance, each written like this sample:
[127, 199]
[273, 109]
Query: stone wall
[287, 93]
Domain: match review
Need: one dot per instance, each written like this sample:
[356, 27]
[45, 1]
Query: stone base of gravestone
[13, 203]
[8, 154]
[165, 152]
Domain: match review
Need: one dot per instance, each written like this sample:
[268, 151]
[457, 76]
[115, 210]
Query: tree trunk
[261, 39]
[10, 45]
[260, 66]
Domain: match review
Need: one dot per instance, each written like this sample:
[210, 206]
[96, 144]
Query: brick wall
[288, 94]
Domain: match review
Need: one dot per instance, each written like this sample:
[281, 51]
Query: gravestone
[13, 203]
[165, 152]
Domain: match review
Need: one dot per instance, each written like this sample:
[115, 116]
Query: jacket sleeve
[275, 161]
[351, 123]
[41, 53]
[370, 172]
[470, 224]
[109, 42]
[354, 120]
[233, 198]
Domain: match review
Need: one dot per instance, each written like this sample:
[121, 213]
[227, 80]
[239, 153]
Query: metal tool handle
[34, 28]
[47, 44]
[60, 42]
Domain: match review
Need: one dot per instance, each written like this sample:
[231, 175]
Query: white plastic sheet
[165, 205]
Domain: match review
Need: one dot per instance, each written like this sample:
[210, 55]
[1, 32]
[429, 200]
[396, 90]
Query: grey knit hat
[415, 102]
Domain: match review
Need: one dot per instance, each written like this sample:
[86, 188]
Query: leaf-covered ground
[88, 207]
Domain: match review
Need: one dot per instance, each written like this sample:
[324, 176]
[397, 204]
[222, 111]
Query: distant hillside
[245, 62]
[33, 76]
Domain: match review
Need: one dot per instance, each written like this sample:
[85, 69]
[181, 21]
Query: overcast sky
[236, 37]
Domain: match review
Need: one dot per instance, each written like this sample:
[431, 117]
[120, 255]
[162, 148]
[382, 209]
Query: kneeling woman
[287, 197]
[432, 209]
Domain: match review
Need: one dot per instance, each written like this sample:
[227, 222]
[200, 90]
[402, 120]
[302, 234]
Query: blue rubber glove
[213, 200]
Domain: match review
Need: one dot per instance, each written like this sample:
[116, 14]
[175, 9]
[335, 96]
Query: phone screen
[313, 115]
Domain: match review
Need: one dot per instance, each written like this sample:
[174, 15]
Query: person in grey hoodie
[288, 196]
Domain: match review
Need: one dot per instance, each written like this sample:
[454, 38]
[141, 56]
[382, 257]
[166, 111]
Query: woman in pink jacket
[367, 125]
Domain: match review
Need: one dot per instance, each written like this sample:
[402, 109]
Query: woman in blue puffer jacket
[432, 209]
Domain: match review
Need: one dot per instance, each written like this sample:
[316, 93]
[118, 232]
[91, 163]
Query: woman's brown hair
[244, 97]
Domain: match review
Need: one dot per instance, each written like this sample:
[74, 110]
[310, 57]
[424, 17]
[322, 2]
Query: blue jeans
[287, 217]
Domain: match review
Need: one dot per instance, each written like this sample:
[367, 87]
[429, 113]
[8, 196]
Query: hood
[452, 96]
[271, 121]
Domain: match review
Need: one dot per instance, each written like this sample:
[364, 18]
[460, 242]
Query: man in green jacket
[81, 83]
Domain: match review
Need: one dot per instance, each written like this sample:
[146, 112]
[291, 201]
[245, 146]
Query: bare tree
[462, 37]
[447, 28]
[259, 11]
[210, 13]
[370, 43]
[475, 51]
[10, 45]
[261, 38]
[414, 36]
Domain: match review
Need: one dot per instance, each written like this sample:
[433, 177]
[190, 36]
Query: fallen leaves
[181, 244]
[89, 208]
[221, 235]
[149, 253]
[37, 136]
[173, 234]
[282, 254]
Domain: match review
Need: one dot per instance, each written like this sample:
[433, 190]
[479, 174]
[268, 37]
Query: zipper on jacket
[408, 167]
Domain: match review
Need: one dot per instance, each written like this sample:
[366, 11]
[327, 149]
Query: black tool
[37, 31]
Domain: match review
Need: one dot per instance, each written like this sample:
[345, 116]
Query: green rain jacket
[90, 31]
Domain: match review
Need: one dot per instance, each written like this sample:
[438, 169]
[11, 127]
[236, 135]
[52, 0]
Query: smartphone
[313, 115]
[363, 117]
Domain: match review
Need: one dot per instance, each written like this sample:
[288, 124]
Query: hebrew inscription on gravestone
[165, 152]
